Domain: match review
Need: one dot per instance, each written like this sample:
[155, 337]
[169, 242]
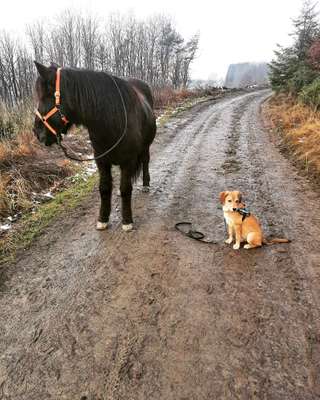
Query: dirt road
[154, 315]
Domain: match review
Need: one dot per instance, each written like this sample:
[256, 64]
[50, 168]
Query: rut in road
[154, 315]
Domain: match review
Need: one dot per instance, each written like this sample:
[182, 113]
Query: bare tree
[151, 49]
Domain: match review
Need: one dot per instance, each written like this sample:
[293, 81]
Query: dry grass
[26, 168]
[300, 126]
[168, 97]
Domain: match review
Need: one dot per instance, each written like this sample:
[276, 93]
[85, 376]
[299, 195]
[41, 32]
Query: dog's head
[231, 200]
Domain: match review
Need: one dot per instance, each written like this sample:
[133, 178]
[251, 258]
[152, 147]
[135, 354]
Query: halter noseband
[55, 109]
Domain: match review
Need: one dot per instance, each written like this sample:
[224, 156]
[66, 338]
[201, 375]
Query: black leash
[191, 233]
[64, 149]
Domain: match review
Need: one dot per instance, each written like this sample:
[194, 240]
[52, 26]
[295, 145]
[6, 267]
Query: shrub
[310, 94]
[303, 76]
[14, 120]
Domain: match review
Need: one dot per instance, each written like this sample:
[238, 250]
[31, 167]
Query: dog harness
[244, 212]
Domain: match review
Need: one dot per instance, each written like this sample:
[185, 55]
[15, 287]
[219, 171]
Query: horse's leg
[105, 188]
[145, 170]
[126, 193]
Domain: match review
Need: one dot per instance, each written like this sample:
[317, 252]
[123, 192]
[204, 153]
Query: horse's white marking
[128, 227]
[102, 225]
[146, 189]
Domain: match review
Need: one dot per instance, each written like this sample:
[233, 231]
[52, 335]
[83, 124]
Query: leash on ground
[191, 233]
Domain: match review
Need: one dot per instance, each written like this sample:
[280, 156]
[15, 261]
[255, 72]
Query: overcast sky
[230, 30]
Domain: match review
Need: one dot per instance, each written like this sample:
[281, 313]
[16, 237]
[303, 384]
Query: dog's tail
[270, 242]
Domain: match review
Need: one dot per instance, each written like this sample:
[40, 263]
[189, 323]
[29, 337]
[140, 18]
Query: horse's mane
[95, 97]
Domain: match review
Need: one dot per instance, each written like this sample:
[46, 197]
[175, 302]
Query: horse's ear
[43, 71]
[54, 65]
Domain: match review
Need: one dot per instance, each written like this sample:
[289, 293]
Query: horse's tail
[269, 242]
[137, 167]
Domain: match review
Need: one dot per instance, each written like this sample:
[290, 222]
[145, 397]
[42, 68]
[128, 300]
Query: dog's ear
[222, 197]
[239, 194]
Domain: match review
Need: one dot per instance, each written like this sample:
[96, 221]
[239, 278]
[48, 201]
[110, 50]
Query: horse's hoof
[101, 226]
[127, 228]
[146, 189]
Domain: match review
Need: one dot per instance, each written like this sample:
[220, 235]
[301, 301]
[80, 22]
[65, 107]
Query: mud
[154, 315]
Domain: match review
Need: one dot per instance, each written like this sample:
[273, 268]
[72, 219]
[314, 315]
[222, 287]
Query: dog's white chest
[228, 219]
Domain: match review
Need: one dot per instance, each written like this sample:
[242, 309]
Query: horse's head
[49, 122]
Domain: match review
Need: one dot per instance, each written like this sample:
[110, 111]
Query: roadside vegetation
[294, 110]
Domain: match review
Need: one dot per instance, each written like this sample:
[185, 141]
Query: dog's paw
[248, 246]
[127, 227]
[228, 241]
[101, 226]
[146, 189]
[236, 246]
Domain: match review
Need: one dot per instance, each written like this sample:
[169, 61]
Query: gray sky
[230, 30]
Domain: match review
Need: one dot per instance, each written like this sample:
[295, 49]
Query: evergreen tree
[306, 29]
[290, 70]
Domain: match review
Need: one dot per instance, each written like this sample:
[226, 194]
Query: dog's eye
[229, 201]
[237, 201]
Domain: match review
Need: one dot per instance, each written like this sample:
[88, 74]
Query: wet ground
[152, 314]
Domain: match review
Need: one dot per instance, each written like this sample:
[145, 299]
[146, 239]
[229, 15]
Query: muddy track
[151, 314]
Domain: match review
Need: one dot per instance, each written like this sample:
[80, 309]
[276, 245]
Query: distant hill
[247, 74]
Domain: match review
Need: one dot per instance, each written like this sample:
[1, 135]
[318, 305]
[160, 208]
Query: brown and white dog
[245, 225]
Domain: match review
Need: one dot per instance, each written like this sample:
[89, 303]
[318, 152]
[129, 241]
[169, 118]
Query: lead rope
[64, 149]
[191, 233]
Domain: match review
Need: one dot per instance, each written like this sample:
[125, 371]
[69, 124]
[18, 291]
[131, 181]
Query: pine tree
[306, 29]
[282, 68]
[290, 69]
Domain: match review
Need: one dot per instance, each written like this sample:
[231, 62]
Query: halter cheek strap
[55, 109]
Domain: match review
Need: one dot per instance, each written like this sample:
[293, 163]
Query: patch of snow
[5, 227]
[49, 195]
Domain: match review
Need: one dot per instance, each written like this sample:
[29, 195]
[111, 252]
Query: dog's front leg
[236, 246]
[230, 233]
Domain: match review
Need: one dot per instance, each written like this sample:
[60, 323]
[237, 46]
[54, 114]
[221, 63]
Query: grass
[299, 125]
[31, 225]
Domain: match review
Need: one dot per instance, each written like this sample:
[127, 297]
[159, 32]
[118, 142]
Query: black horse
[100, 102]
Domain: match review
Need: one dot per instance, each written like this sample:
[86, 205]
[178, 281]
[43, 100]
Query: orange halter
[55, 109]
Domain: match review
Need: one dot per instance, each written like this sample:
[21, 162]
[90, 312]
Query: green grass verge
[32, 225]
